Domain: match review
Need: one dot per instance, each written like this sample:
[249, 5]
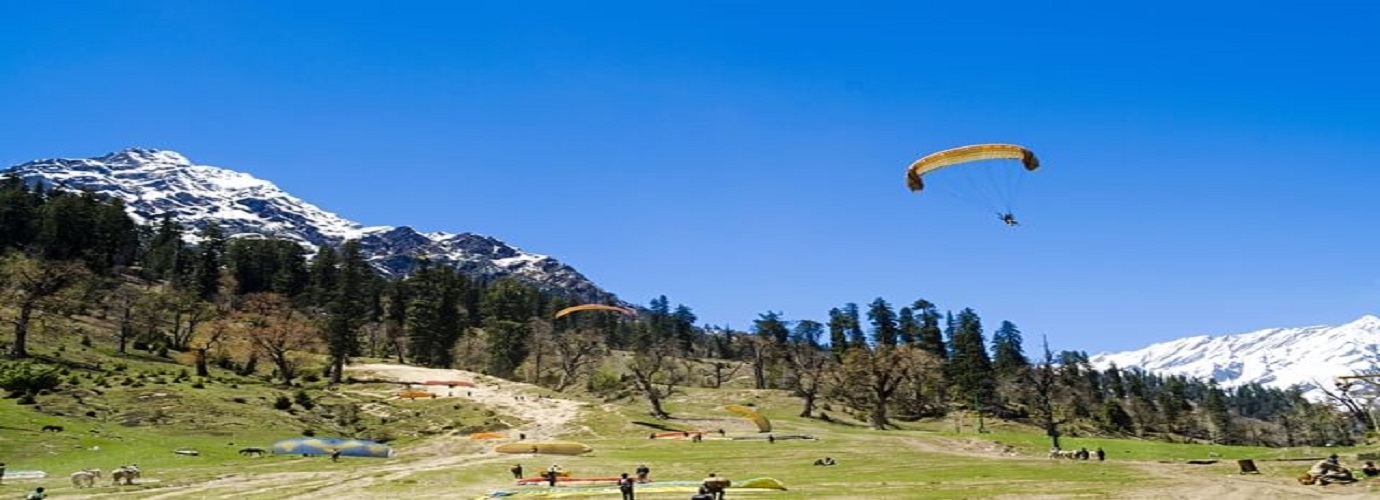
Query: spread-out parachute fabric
[323, 446]
[982, 175]
[596, 307]
[763, 425]
[965, 154]
[552, 448]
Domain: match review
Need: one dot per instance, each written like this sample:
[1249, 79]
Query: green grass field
[143, 409]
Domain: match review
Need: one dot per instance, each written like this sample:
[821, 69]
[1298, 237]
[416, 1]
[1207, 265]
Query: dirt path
[543, 418]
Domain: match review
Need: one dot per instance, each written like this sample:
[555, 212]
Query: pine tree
[1008, 356]
[970, 368]
[18, 213]
[324, 276]
[167, 257]
[853, 326]
[432, 319]
[682, 328]
[1114, 382]
[1217, 416]
[907, 327]
[347, 308]
[838, 333]
[771, 337]
[883, 319]
[931, 337]
[507, 306]
[210, 257]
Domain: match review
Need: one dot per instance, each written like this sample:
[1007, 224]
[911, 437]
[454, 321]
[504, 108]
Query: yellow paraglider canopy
[596, 307]
[965, 154]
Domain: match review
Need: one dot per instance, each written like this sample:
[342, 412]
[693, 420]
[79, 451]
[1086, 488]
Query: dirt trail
[543, 418]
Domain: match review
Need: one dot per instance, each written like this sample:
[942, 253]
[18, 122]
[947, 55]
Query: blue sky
[1208, 166]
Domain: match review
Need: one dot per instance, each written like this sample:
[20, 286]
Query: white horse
[126, 472]
[85, 478]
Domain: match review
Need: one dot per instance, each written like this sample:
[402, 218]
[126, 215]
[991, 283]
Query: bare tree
[34, 286]
[277, 332]
[656, 372]
[209, 337]
[119, 302]
[1356, 396]
[577, 352]
[723, 371]
[869, 377]
[810, 366]
[189, 311]
[1042, 381]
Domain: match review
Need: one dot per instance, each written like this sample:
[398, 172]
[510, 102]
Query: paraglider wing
[596, 307]
[966, 154]
[763, 425]
[324, 446]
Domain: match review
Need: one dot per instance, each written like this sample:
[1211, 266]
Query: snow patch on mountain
[1307, 356]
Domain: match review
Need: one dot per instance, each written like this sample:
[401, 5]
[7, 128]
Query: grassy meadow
[140, 408]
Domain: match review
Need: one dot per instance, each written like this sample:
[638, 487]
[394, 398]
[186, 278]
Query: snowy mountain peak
[1308, 357]
[154, 183]
[137, 157]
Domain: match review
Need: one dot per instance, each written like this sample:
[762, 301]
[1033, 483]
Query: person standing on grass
[642, 472]
[625, 486]
[517, 471]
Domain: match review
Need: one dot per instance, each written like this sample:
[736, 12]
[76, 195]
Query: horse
[85, 478]
[253, 451]
[126, 472]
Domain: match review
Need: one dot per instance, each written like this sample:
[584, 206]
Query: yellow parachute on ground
[763, 425]
[595, 307]
[965, 154]
[551, 448]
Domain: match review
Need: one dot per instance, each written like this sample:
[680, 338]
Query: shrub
[604, 380]
[282, 403]
[27, 378]
[309, 433]
[303, 399]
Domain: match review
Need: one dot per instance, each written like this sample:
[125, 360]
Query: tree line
[238, 303]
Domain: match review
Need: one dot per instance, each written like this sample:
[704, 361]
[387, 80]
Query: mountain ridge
[1308, 357]
[154, 183]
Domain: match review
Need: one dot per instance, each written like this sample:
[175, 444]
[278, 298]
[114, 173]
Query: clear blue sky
[1209, 167]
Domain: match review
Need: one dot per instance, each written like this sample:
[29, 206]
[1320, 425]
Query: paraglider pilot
[1008, 218]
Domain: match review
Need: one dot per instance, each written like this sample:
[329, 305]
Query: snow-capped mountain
[1277, 357]
[155, 183]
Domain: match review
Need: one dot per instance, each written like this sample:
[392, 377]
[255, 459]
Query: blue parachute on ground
[324, 446]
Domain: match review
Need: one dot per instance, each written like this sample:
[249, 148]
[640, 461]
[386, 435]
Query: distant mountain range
[154, 183]
[1277, 357]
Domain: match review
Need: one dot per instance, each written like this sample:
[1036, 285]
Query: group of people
[1330, 470]
[626, 484]
[712, 488]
